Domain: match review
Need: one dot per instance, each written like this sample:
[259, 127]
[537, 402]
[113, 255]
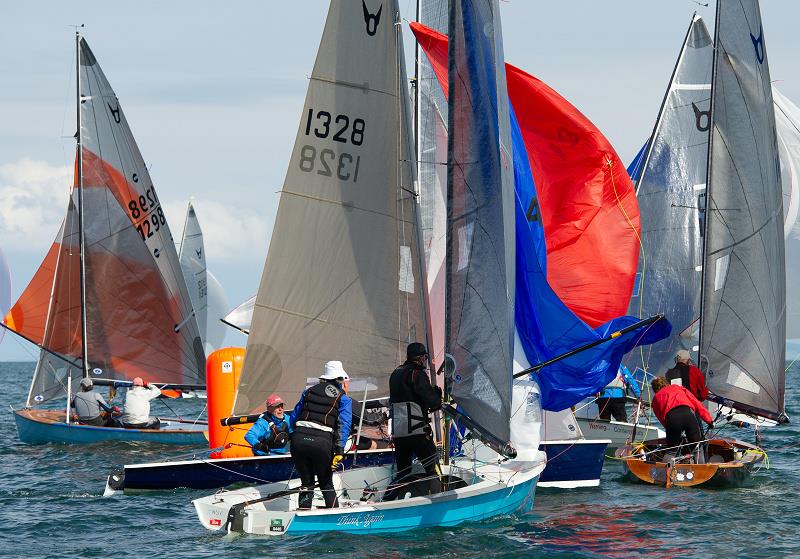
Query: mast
[81, 244]
[660, 118]
[704, 251]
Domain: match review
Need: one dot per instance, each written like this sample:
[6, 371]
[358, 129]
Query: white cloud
[33, 202]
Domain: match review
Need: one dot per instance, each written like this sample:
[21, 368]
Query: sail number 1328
[327, 162]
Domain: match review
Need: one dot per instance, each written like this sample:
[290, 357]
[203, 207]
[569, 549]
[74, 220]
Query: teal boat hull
[43, 427]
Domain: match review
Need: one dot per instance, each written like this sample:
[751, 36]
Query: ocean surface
[51, 505]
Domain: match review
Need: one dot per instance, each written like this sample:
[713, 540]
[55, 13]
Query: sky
[213, 95]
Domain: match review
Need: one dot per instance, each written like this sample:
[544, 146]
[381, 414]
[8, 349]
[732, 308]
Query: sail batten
[743, 316]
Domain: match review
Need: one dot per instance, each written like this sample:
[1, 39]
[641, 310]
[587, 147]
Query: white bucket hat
[333, 371]
[682, 355]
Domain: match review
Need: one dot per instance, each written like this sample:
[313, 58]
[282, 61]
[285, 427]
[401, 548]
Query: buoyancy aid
[278, 431]
[408, 417]
[321, 406]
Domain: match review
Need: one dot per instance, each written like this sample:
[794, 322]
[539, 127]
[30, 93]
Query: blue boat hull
[218, 473]
[573, 463]
[444, 513]
[46, 426]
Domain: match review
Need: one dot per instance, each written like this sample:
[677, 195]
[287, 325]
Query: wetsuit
[412, 398]
[320, 423]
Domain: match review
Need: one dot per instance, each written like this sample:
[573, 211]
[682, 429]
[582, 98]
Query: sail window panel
[464, 245]
[721, 271]
[740, 379]
[406, 271]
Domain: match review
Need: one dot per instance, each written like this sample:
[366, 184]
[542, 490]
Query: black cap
[415, 350]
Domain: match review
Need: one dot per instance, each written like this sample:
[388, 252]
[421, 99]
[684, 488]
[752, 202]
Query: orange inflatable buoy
[223, 369]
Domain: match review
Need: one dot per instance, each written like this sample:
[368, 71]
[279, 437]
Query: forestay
[480, 228]
[342, 279]
[671, 195]
[193, 264]
[138, 314]
[742, 338]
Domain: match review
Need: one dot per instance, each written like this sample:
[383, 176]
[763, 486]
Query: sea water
[51, 505]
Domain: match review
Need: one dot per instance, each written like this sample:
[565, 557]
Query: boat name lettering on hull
[362, 520]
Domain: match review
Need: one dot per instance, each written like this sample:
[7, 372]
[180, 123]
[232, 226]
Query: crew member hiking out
[321, 423]
[687, 375]
[412, 398]
[270, 434]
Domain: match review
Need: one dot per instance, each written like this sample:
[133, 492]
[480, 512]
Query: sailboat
[480, 276]
[108, 302]
[742, 289]
[205, 292]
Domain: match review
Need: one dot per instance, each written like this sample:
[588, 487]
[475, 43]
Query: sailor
[412, 398]
[321, 423]
[687, 375]
[677, 409]
[613, 398]
[88, 404]
[136, 411]
[270, 434]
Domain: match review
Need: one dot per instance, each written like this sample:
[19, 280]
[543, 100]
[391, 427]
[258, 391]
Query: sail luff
[660, 118]
[79, 180]
[671, 199]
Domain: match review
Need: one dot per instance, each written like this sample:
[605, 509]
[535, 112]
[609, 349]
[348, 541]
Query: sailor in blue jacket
[321, 423]
[612, 400]
[270, 434]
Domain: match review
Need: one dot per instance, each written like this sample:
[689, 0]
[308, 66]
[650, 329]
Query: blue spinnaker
[546, 327]
[635, 168]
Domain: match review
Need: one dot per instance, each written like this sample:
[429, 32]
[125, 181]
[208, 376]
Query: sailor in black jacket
[412, 398]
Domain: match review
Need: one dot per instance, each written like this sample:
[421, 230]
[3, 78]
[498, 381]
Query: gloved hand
[337, 458]
[711, 425]
[261, 446]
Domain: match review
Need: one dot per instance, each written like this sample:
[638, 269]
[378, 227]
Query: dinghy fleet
[449, 210]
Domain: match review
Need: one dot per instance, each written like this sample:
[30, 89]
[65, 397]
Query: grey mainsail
[671, 196]
[193, 264]
[743, 324]
[342, 279]
[480, 225]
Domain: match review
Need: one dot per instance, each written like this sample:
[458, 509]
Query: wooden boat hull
[732, 472]
[496, 490]
[573, 463]
[37, 426]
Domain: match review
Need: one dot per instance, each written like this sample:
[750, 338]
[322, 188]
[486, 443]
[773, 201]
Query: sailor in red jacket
[675, 407]
[687, 375]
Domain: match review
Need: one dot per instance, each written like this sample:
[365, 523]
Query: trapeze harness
[407, 417]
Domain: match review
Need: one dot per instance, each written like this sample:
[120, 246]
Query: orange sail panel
[586, 199]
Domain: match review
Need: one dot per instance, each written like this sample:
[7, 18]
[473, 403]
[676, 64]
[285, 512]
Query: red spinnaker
[587, 201]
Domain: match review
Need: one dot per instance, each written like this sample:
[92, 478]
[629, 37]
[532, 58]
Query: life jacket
[278, 431]
[679, 375]
[321, 406]
[614, 389]
[408, 418]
